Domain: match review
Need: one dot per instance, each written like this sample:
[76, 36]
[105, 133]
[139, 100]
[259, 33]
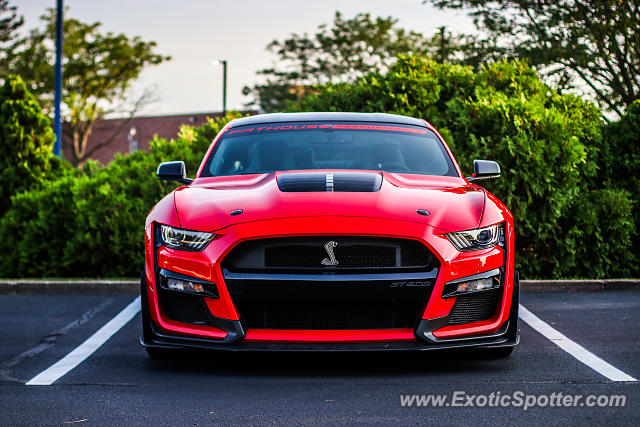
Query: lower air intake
[475, 307]
[330, 315]
[183, 308]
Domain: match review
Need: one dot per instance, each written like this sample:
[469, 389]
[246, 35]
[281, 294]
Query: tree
[619, 159]
[26, 140]
[9, 24]
[545, 142]
[596, 43]
[342, 52]
[619, 153]
[98, 69]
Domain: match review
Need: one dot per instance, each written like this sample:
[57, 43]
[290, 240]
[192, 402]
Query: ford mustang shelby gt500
[329, 231]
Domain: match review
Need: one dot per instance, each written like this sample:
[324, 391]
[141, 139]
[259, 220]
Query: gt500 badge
[411, 284]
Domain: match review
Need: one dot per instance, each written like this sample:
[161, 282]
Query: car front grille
[475, 307]
[351, 253]
[377, 283]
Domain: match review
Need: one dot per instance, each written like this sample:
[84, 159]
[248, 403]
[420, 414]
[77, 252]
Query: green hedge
[571, 180]
[91, 223]
[26, 141]
[568, 222]
[619, 165]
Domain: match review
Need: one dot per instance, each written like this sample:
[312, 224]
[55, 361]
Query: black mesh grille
[183, 308]
[355, 256]
[329, 315]
[475, 307]
[308, 253]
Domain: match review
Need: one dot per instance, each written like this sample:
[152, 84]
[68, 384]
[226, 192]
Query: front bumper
[226, 330]
[507, 336]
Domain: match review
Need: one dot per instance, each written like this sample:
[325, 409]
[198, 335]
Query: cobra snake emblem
[332, 258]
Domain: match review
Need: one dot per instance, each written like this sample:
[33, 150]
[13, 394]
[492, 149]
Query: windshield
[320, 145]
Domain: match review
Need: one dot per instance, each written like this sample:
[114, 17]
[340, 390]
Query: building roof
[137, 133]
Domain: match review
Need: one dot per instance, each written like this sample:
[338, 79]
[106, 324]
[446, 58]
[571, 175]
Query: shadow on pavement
[319, 364]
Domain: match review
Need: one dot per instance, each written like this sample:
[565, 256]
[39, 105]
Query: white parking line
[95, 341]
[86, 349]
[573, 348]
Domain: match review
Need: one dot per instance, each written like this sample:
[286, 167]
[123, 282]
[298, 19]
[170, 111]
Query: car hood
[208, 202]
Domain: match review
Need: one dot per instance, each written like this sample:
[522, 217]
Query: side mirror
[484, 169]
[173, 171]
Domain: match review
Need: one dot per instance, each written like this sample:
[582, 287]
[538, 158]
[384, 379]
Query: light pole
[57, 95]
[224, 83]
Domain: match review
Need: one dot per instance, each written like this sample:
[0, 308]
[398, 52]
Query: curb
[26, 286]
[579, 285]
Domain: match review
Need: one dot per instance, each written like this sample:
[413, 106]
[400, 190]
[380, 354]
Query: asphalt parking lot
[119, 384]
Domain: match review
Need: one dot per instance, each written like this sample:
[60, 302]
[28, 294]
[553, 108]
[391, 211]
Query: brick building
[138, 132]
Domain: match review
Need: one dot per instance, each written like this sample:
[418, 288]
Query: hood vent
[330, 181]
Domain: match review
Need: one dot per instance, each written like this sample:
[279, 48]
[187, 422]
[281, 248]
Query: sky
[196, 32]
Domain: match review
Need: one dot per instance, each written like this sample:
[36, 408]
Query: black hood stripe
[330, 181]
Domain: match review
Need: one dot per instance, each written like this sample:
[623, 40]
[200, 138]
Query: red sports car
[329, 231]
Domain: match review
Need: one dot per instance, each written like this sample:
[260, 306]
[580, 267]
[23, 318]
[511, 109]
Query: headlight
[185, 240]
[472, 240]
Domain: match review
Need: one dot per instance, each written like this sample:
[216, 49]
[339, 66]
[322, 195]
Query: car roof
[315, 117]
